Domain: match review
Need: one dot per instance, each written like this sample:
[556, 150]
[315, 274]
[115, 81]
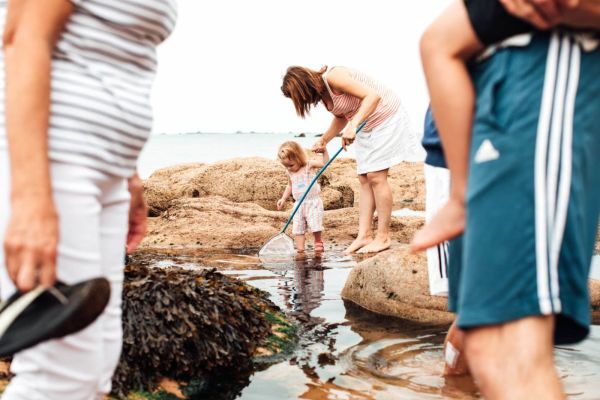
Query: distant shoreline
[295, 134]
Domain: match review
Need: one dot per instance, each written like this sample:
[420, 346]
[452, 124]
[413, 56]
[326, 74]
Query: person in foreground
[300, 172]
[461, 33]
[386, 139]
[518, 276]
[76, 114]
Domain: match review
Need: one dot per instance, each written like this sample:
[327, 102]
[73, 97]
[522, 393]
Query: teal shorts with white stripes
[533, 197]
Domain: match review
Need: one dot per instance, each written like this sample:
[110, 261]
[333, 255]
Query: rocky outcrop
[218, 223]
[262, 181]
[243, 180]
[231, 204]
[395, 283]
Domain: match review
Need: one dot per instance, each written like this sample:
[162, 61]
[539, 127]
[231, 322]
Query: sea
[170, 149]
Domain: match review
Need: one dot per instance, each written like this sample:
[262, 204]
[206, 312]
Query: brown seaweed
[187, 325]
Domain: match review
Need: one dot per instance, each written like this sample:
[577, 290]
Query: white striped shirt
[103, 66]
[346, 106]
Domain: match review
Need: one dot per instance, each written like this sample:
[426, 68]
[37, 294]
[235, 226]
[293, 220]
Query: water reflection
[303, 291]
[347, 353]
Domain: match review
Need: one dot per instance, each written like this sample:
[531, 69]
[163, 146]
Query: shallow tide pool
[346, 352]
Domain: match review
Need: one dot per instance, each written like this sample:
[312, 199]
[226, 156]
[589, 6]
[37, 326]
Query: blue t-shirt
[431, 142]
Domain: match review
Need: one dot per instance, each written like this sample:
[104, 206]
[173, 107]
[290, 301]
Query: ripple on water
[409, 366]
[348, 353]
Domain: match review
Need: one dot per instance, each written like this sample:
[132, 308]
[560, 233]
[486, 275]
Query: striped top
[300, 180]
[103, 66]
[346, 106]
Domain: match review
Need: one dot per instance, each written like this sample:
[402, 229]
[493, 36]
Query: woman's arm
[336, 126]
[31, 31]
[320, 164]
[340, 80]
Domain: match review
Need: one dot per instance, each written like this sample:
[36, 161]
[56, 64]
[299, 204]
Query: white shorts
[437, 189]
[387, 145]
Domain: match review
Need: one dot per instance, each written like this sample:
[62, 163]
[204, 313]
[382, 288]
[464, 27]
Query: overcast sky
[221, 69]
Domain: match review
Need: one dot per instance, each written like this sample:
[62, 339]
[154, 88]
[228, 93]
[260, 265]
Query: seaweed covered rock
[187, 325]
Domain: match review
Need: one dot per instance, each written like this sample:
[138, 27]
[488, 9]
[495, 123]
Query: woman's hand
[138, 212]
[348, 134]
[319, 146]
[280, 203]
[31, 241]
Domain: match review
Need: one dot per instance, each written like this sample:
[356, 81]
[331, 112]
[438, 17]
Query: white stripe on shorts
[553, 158]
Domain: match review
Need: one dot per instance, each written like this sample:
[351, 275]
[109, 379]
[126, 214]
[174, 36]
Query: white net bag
[278, 245]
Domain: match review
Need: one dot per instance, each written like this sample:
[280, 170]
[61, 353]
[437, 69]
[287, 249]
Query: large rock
[395, 283]
[262, 181]
[595, 294]
[257, 180]
[217, 222]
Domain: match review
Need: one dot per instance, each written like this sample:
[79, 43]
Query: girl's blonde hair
[292, 151]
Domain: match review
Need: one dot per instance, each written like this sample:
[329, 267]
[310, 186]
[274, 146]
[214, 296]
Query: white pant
[437, 189]
[93, 213]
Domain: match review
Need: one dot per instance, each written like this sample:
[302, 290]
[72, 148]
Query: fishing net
[278, 245]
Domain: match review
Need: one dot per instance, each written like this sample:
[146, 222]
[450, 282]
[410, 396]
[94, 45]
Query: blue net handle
[315, 179]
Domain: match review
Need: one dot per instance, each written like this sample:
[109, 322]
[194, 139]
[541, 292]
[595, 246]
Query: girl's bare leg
[318, 241]
[299, 241]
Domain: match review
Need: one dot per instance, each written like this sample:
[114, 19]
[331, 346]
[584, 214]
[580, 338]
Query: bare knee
[518, 351]
[377, 178]
[363, 179]
[482, 356]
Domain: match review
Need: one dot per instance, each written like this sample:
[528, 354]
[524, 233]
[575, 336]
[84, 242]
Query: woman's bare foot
[446, 224]
[357, 244]
[377, 245]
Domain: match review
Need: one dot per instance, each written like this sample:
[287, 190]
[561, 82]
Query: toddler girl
[300, 173]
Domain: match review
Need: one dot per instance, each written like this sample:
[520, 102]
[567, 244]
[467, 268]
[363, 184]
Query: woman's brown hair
[292, 151]
[305, 87]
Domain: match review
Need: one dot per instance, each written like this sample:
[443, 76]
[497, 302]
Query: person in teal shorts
[518, 276]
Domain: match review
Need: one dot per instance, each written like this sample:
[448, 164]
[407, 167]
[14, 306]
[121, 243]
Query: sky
[221, 69]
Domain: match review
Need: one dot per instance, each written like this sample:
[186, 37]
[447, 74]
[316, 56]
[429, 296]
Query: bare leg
[318, 241]
[515, 360]
[299, 240]
[383, 201]
[445, 47]
[365, 216]
[454, 355]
